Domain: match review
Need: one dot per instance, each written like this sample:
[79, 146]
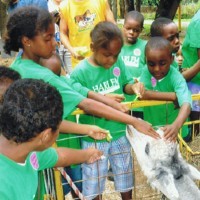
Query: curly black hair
[29, 107]
[7, 77]
[26, 21]
[8, 73]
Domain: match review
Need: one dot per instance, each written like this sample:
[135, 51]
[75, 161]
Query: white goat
[162, 163]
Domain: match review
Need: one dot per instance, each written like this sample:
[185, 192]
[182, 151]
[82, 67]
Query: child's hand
[170, 132]
[96, 132]
[77, 56]
[93, 155]
[117, 97]
[121, 107]
[138, 88]
[146, 128]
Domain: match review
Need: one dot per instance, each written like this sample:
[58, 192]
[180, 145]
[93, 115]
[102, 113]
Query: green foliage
[145, 32]
[149, 2]
[188, 10]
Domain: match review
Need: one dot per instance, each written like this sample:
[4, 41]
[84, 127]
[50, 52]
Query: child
[101, 73]
[36, 38]
[29, 119]
[67, 140]
[159, 76]
[54, 64]
[132, 53]
[166, 28]
[7, 77]
[191, 54]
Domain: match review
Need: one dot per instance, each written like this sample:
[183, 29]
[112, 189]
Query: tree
[113, 7]
[2, 18]
[129, 5]
[138, 5]
[167, 8]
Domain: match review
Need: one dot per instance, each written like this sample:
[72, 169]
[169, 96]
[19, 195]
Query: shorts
[118, 153]
[76, 175]
[194, 89]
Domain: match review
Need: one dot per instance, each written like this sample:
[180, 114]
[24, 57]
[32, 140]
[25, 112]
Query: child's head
[7, 77]
[53, 63]
[107, 42]
[158, 56]
[133, 25]
[31, 29]
[166, 28]
[31, 109]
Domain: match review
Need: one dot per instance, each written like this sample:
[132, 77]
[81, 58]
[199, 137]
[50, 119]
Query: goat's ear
[147, 148]
[193, 173]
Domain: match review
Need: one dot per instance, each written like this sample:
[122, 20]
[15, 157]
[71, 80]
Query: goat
[164, 166]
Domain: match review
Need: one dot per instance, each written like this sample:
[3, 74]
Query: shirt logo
[116, 71]
[34, 161]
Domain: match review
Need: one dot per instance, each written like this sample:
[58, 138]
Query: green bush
[188, 10]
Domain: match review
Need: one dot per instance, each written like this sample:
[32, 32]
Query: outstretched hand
[146, 128]
[170, 132]
[116, 97]
[138, 88]
[96, 132]
[93, 155]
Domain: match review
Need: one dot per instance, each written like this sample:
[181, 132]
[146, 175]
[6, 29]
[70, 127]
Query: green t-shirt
[20, 181]
[133, 58]
[72, 94]
[175, 64]
[30, 69]
[104, 81]
[172, 82]
[191, 44]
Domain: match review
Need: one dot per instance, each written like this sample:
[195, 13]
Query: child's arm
[90, 106]
[90, 130]
[191, 72]
[67, 156]
[64, 29]
[171, 131]
[161, 96]
[108, 101]
[136, 88]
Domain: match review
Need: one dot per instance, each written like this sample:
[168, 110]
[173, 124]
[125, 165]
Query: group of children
[33, 112]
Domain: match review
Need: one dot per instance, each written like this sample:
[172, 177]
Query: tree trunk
[3, 17]
[138, 5]
[129, 5]
[113, 7]
[167, 8]
[122, 8]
